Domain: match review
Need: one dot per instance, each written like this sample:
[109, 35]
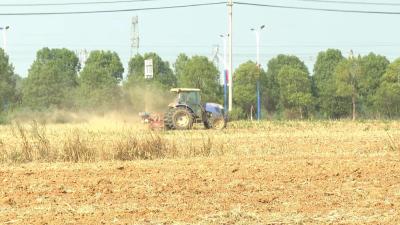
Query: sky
[195, 31]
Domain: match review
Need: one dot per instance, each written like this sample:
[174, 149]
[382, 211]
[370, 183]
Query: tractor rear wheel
[168, 119]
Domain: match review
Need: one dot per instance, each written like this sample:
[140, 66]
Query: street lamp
[4, 29]
[257, 33]
[226, 75]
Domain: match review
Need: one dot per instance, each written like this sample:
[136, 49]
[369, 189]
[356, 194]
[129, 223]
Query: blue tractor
[187, 109]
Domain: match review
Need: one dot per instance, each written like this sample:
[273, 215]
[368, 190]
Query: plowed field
[348, 182]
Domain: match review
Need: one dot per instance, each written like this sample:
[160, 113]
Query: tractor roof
[184, 89]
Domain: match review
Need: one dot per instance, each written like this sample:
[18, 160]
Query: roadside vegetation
[339, 87]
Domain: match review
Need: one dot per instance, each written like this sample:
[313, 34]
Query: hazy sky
[196, 30]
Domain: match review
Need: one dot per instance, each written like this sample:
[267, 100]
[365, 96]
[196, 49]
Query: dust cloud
[150, 99]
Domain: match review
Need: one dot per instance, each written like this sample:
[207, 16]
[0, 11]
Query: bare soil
[285, 188]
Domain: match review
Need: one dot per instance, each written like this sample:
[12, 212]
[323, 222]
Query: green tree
[162, 72]
[373, 67]
[387, 97]
[199, 72]
[51, 79]
[180, 64]
[272, 85]
[99, 80]
[136, 67]
[7, 81]
[329, 104]
[18, 90]
[150, 94]
[295, 90]
[348, 74]
[245, 80]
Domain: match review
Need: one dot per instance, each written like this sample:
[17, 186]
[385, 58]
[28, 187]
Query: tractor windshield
[189, 98]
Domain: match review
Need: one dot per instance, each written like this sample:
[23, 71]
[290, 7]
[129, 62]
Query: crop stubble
[262, 173]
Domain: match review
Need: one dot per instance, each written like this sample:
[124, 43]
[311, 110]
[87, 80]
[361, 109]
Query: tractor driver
[182, 98]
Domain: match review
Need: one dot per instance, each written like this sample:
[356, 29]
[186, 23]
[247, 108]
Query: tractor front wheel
[217, 123]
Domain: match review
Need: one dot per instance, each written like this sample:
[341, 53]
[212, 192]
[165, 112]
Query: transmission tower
[217, 58]
[215, 55]
[135, 36]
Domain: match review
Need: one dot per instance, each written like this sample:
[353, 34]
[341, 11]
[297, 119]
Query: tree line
[338, 87]
[366, 87]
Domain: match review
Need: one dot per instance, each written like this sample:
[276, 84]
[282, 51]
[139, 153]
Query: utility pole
[4, 30]
[225, 75]
[224, 45]
[230, 66]
[257, 32]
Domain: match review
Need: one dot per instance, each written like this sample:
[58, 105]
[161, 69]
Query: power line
[351, 2]
[73, 3]
[111, 11]
[319, 9]
[187, 6]
[165, 46]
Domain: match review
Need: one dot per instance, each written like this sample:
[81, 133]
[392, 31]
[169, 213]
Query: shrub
[237, 114]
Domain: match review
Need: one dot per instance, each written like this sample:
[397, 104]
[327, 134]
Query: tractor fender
[214, 109]
[184, 106]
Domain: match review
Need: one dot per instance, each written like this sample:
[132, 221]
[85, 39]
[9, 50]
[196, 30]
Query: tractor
[186, 110]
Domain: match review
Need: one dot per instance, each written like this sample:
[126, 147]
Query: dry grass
[107, 140]
[151, 146]
[110, 172]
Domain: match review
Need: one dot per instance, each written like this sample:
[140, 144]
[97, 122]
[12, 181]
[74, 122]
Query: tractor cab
[189, 97]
